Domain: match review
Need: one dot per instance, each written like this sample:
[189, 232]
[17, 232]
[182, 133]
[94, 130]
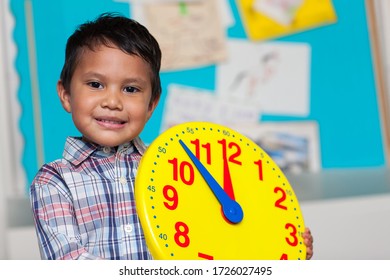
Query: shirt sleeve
[54, 217]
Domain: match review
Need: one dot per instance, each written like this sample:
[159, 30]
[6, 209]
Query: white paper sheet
[274, 75]
[184, 104]
[137, 11]
[294, 146]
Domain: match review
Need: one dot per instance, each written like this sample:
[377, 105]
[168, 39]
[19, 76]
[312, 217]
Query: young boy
[83, 204]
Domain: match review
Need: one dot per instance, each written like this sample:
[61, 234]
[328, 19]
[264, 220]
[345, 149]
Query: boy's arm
[55, 222]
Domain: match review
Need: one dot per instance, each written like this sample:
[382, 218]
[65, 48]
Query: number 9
[170, 194]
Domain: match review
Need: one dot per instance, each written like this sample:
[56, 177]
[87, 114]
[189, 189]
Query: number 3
[293, 234]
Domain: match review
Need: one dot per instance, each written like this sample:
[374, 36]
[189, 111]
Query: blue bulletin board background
[343, 98]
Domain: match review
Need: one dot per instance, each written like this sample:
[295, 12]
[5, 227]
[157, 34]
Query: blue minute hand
[230, 208]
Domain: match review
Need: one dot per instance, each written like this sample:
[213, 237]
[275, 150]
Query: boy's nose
[112, 100]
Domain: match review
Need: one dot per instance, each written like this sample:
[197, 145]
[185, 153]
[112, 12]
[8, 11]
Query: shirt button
[128, 228]
[107, 150]
[123, 180]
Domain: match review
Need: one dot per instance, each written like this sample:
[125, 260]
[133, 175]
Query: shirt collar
[76, 150]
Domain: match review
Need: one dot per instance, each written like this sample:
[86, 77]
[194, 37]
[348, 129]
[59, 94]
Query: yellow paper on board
[266, 19]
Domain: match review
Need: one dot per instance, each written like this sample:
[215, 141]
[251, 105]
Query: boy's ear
[64, 96]
[152, 106]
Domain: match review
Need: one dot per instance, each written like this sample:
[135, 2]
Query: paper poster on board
[266, 19]
[186, 104]
[190, 34]
[293, 145]
[275, 76]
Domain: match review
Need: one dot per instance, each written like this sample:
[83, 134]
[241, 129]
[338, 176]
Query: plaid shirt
[83, 204]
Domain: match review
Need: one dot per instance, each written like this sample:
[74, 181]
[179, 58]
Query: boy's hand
[308, 240]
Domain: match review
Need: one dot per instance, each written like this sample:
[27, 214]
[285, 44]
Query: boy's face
[109, 96]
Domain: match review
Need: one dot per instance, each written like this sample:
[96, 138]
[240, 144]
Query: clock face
[205, 191]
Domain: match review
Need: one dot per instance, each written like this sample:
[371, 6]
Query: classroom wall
[3, 119]
[343, 97]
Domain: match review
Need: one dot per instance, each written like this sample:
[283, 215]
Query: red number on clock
[278, 203]
[205, 146]
[293, 234]
[284, 257]
[231, 145]
[181, 235]
[186, 177]
[205, 256]
[259, 163]
[170, 194]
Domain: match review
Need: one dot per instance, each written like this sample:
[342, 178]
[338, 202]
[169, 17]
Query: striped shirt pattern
[83, 204]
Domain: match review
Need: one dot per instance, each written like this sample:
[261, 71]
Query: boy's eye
[95, 84]
[130, 89]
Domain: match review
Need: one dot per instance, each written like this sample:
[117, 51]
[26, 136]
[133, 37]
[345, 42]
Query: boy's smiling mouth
[110, 122]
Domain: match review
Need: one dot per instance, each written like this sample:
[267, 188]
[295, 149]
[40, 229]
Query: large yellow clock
[205, 191]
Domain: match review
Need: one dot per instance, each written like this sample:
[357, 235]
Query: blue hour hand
[230, 208]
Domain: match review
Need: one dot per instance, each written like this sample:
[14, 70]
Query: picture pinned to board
[266, 73]
[293, 145]
[267, 19]
[187, 104]
[190, 33]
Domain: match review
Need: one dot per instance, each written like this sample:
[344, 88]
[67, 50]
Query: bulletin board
[342, 98]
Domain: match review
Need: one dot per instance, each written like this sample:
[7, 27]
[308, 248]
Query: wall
[3, 140]
[350, 229]
[343, 99]
[11, 171]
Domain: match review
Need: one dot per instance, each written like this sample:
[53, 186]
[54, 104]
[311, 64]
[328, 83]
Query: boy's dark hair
[113, 29]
